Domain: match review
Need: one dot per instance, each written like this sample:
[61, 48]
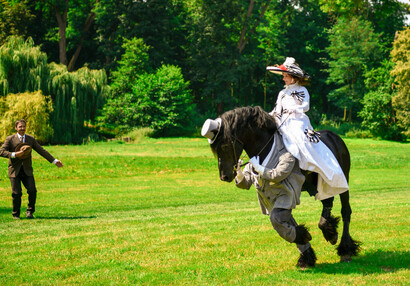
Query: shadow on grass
[8, 211]
[366, 264]
[5, 210]
[64, 217]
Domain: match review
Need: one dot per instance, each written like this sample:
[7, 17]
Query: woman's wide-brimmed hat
[211, 129]
[26, 148]
[290, 67]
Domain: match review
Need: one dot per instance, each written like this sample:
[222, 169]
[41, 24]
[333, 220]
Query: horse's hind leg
[347, 247]
[328, 223]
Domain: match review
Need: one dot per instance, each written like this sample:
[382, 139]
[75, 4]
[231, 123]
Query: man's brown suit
[21, 171]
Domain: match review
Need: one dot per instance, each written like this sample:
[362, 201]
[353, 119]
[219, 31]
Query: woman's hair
[300, 80]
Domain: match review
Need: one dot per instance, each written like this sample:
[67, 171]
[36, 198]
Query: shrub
[161, 101]
[378, 116]
[34, 108]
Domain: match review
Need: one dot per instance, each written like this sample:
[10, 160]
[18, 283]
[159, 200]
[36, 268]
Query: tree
[74, 20]
[142, 98]
[163, 102]
[160, 23]
[134, 62]
[353, 46]
[378, 114]
[15, 19]
[401, 57]
[33, 107]
[221, 70]
[76, 96]
[23, 67]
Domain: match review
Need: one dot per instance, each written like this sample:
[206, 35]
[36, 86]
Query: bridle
[236, 139]
[233, 142]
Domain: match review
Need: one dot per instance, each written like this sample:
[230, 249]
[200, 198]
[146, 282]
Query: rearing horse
[251, 129]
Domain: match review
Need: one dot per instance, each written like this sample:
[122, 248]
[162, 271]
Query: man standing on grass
[18, 148]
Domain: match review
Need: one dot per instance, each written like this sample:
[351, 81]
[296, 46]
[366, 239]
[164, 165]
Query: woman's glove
[255, 163]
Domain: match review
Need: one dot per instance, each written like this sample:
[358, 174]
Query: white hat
[211, 129]
[289, 66]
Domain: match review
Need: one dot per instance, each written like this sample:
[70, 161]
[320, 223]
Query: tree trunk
[243, 41]
[62, 25]
[87, 26]
[243, 32]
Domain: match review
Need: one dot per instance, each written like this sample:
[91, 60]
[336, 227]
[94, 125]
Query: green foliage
[353, 47]
[166, 102]
[401, 57]
[33, 107]
[77, 97]
[134, 62]
[358, 133]
[222, 47]
[23, 67]
[161, 101]
[15, 19]
[342, 128]
[377, 113]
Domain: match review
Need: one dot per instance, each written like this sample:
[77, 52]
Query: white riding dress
[289, 112]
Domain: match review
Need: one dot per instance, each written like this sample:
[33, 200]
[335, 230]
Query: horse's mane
[245, 118]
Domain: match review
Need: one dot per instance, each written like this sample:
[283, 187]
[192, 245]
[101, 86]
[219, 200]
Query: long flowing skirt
[315, 157]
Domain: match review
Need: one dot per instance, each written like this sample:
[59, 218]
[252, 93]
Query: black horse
[251, 129]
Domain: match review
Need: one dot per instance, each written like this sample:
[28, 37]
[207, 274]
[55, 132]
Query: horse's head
[235, 131]
[226, 146]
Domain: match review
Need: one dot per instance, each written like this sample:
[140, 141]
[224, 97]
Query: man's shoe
[29, 215]
[16, 217]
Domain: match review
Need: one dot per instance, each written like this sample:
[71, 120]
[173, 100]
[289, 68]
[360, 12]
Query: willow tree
[77, 96]
[23, 67]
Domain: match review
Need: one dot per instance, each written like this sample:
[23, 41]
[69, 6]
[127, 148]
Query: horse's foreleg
[347, 247]
[328, 223]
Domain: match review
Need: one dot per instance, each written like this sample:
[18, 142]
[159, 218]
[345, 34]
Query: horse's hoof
[346, 258]
[334, 239]
[329, 228]
[307, 259]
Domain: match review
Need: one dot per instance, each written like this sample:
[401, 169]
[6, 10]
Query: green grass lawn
[156, 213]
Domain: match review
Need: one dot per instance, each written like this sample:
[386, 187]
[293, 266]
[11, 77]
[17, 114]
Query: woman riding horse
[298, 134]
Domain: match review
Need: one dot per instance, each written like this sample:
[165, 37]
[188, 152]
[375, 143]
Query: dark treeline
[221, 48]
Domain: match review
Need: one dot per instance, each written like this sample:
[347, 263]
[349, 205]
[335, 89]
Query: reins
[235, 167]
